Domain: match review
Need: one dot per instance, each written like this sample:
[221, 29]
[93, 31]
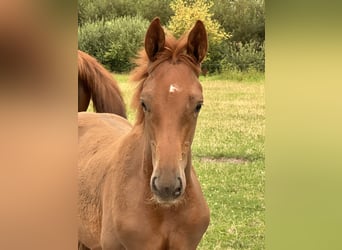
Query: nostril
[167, 189]
[154, 186]
[178, 192]
[179, 187]
[180, 183]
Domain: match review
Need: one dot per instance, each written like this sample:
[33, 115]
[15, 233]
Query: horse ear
[154, 39]
[198, 42]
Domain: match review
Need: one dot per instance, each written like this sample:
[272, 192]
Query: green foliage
[113, 42]
[188, 12]
[95, 38]
[244, 56]
[244, 51]
[150, 9]
[212, 64]
[128, 33]
[91, 11]
[243, 19]
[231, 56]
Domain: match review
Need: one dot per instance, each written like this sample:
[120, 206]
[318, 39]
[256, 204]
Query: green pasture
[229, 158]
[228, 155]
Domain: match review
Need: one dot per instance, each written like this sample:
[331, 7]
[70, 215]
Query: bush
[243, 19]
[92, 11]
[129, 35]
[113, 42]
[244, 56]
[235, 56]
[106, 32]
[95, 38]
[186, 14]
[150, 9]
[215, 57]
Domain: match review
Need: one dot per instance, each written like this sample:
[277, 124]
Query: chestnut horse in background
[137, 185]
[95, 82]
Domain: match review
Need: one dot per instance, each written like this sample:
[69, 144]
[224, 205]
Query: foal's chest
[163, 230]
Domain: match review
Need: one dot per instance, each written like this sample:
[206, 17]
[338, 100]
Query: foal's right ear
[154, 39]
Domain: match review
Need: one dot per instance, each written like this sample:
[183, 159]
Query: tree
[188, 12]
[115, 42]
[243, 19]
[150, 9]
[92, 11]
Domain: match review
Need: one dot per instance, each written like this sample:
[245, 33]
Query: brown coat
[137, 186]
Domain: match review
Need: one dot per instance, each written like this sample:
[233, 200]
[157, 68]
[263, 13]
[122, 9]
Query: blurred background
[113, 31]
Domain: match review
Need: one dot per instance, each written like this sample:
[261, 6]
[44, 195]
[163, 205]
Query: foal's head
[169, 100]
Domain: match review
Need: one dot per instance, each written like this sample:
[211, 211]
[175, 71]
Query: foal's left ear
[154, 39]
[198, 42]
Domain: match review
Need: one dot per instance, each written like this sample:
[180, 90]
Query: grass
[228, 155]
[251, 75]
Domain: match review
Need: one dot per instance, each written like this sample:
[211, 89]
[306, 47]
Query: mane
[105, 92]
[89, 69]
[174, 51]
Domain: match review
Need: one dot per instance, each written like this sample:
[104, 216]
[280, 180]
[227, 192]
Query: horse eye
[198, 107]
[143, 105]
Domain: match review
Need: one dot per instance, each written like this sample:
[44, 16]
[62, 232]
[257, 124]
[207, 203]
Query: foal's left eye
[198, 107]
[143, 105]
